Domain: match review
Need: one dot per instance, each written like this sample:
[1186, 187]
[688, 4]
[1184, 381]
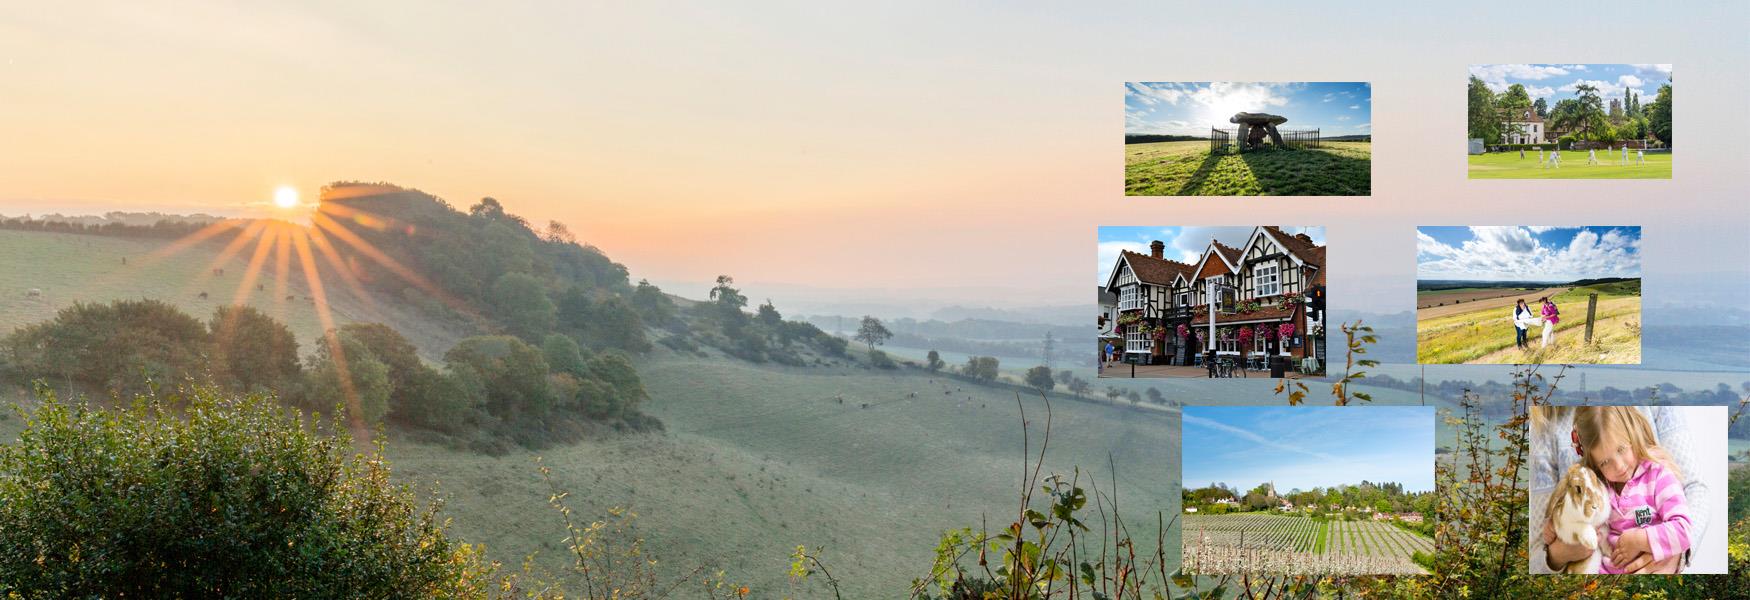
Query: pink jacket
[1652, 499]
[1549, 313]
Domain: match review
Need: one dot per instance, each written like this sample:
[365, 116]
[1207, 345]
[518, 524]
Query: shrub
[562, 354]
[117, 347]
[879, 360]
[252, 351]
[366, 391]
[510, 376]
[236, 500]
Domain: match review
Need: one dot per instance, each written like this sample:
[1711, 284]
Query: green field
[1485, 334]
[755, 460]
[1508, 165]
[1275, 543]
[1189, 169]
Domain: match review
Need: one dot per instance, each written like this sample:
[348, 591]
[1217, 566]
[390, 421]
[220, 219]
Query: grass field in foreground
[1508, 165]
[1486, 335]
[758, 459]
[1188, 169]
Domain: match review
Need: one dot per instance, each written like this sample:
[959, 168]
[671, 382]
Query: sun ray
[313, 277]
[230, 251]
[359, 244]
[250, 273]
[187, 241]
[282, 267]
[329, 254]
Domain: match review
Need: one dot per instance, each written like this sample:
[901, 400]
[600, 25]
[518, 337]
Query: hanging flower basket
[1245, 336]
[1183, 330]
[1285, 330]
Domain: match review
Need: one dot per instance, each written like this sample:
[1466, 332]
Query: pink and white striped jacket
[1651, 499]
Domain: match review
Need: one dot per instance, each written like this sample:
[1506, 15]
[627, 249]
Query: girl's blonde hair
[1628, 425]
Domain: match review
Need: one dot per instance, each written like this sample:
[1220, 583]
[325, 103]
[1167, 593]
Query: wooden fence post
[1591, 310]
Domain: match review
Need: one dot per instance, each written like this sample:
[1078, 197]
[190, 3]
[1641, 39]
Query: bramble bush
[196, 494]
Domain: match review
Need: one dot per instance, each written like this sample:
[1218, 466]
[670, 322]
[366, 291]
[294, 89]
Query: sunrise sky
[874, 148]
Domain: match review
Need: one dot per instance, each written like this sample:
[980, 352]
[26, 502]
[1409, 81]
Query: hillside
[756, 459]
[68, 268]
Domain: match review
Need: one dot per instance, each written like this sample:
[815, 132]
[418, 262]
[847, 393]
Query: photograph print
[1528, 295]
[1532, 121]
[1308, 490]
[1212, 302]
[1248, 139]
[1628, 489]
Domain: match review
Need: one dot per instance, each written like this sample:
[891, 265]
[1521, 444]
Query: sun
[285, 197]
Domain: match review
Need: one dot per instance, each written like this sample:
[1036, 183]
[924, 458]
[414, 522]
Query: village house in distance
[1255, 309]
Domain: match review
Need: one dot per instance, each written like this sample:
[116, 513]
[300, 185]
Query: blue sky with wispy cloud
[1179, 108]
[1302, 447]
[1523, 253]
[1556, 82]
[1184, 244]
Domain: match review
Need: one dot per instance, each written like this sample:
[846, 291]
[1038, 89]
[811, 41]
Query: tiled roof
[1158, 271]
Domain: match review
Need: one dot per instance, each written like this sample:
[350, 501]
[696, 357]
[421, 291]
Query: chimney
[1303, 237]
[1156, 248]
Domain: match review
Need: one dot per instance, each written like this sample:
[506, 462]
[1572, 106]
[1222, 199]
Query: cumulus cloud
[1495, 76]
[1660, 69]
[1608, 89]
[1517, 253]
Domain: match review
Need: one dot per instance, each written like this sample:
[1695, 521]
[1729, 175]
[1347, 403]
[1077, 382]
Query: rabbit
[1578, 508]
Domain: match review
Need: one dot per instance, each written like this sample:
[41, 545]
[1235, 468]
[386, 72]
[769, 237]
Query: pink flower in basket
[1285, 330]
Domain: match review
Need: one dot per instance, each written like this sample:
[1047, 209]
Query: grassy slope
[756, 459]
[1485, 335]
[1188, 169]
[1508, 165]
[72, 268]
[759, 459]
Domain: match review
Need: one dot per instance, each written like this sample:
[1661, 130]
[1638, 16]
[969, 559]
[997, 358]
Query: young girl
[1648, 512]
[1551, 316]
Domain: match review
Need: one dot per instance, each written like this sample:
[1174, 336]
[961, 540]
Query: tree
[656, 307]
[615, 324]
[768, 315]
[981, 367]
[563, 355]
[230, 498]
[1511, 105]
[1079, 386]
[252, 351]
[1659, 115]
[726, 296]
[1483, 119]
[558, 233]
[933, 361]
[1542, 107]
[620, 379]
[522, 305]
[1590, 117]
[872, 332]
[487, 208]
[1039, 378]
[387, 345]
[1154, 395]
[511, 376]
